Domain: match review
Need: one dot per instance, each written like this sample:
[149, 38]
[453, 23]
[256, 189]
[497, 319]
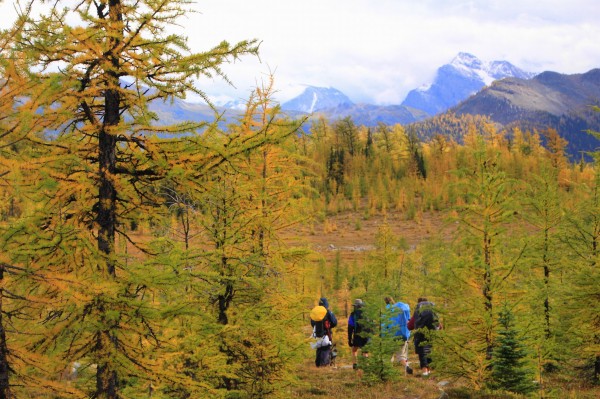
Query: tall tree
[556, 148]
[335, 170]
[20, 302]
[479, 273]
[483, 219]
[235, 269]
[546, 215]
[385, 258]
[278, 171]
[582, 236]
[545, 259]
[89, 86]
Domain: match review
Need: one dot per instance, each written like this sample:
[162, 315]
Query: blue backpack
[400, 314]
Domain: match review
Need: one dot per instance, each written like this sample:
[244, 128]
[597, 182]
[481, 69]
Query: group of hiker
[398, 324]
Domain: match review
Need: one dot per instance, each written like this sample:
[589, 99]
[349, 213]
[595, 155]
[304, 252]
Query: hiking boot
[355, 366]
[425, 374]
[409, 370]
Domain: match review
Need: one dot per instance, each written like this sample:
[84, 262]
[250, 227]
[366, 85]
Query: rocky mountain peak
[316, 98]
[464, 76]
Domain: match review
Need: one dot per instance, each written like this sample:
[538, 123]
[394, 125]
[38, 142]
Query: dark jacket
[425, 316]
[358, 329]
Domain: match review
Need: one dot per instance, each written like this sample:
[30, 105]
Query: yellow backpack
[318, 313]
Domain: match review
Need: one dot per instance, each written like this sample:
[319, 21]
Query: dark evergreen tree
[377, 366]
[510, 369]
[335, 170]
[369, 145]
[416, 158]
[347, 135]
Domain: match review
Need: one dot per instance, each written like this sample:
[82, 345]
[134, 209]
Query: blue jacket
[399, 314]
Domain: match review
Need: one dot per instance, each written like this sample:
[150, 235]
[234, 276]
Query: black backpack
[426, 317]
[323, 327]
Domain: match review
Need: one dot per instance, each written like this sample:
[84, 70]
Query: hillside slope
[552, 93]
[549, 100]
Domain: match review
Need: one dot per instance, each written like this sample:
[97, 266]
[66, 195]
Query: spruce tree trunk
[107, 146]
[106, 379]
[106, 375]
[107, 196]
[487, 292]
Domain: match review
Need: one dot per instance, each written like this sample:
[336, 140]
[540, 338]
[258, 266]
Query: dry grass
[344, 382]
[339, 232]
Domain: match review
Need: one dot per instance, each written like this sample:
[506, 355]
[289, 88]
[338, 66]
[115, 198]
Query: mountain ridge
[549, 100]
[463, 76]
[550, 92]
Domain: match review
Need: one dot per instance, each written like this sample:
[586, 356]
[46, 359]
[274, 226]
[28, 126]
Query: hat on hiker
[358, 303]
[324, 302]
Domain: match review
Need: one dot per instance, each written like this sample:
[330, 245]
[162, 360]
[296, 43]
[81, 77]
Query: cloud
[378, 51]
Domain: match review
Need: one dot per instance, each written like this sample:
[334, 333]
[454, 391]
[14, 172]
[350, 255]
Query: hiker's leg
[422, 357]
[427, 354]
[404, 358]
[354, 356]
[317, 361]
[324, 356]
[421, 349]
[397, 356]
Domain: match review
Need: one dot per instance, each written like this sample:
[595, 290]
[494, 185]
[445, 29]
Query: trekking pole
[401, 269]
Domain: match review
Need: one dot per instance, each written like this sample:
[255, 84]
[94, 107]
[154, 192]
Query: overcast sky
[377, 50]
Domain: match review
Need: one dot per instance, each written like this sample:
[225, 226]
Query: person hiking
[323, 321]
[399, 314]
[424, 319]
[358, 331]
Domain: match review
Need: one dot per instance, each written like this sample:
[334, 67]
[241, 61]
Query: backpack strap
[327, 325]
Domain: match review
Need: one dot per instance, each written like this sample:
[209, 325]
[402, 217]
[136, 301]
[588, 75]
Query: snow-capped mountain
[456, 81]
[237, 105]
[315, 99]
[334, 104]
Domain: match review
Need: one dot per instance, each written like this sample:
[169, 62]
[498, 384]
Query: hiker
[424, 318]
[357, 331]
[399, 313]
[323, 321]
